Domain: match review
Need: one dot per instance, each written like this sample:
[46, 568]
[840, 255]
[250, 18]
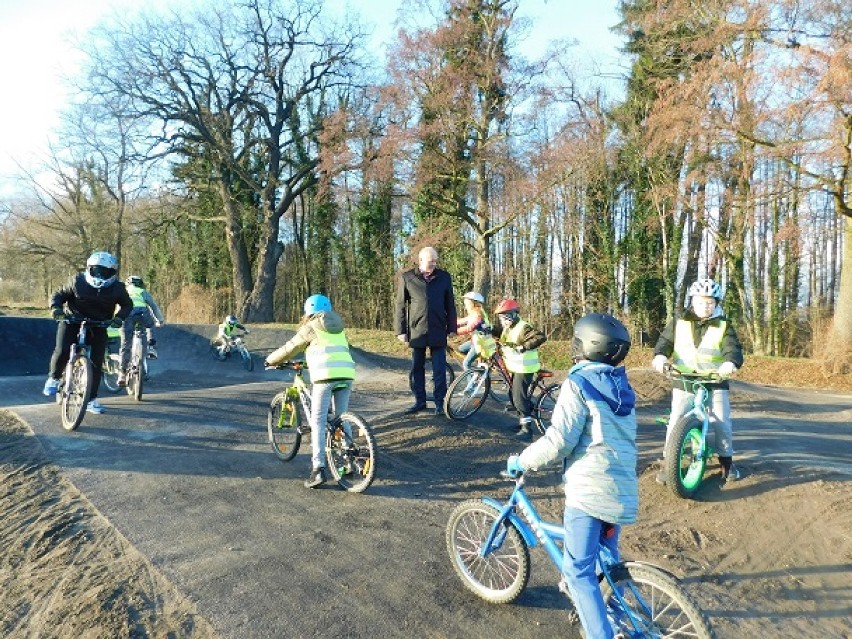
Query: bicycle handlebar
[674, 374]
[295, 365]
[79, 319]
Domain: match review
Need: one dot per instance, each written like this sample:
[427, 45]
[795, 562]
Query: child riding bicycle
[520, 342]
[225, 333]
[331, 367]
[593, 432]
[145, 312]
[476, 324]
[703, 341]
[92, 294]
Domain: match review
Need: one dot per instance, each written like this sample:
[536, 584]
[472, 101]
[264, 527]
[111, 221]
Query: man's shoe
[95, 407]
[122, 379]
[316, 478]
[50, 387]
[524, 434]
[414, 408]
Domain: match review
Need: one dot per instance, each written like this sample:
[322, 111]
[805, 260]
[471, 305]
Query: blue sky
[37, 51]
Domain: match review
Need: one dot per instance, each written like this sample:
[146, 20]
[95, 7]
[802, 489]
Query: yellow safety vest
[135, 294]
[526, 362]
[329, 358]
[706, 357]
[483, 341]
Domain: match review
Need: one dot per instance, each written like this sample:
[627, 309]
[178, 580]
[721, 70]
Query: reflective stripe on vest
[113, 333]
[526, 362]
[706, 357]
[135, 294]
[483, 340]
[328, 357]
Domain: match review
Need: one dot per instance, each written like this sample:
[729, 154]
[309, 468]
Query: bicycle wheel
[653, 604]
[135, 380]
[248, 361]
[501, 388]
[543, 408]
[467, 394]
[283, 425]
[500, 576]
[684, 456]
[75, 393]
[350, 449]
[109, 372]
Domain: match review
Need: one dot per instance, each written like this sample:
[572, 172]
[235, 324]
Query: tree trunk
[843, 309]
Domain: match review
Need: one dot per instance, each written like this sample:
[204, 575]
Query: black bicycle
[75, 386]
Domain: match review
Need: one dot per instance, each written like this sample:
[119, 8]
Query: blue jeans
[583, 536]
[470, 354]
[321, 394]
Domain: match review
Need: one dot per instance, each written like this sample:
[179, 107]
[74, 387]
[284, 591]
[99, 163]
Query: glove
[58, 314]
[514, 466]
[659, 363]
[116, 322]
[726, 369]
[266, 364]
[158, 323]
[521, 349]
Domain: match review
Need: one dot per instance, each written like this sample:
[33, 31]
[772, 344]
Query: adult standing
[425, 315]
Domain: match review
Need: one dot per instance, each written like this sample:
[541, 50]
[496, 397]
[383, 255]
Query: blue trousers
[583, 536]
[439, 373]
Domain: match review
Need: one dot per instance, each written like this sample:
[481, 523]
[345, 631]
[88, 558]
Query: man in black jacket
[425, 316]
[92, 294]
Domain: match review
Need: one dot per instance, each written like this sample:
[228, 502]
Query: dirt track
[180, 520]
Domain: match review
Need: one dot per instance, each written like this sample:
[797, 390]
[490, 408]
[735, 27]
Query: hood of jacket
[602, 382]
[328, 321]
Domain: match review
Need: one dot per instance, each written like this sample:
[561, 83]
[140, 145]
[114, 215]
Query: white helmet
[101, 269]
[705, 288]
[474, 296]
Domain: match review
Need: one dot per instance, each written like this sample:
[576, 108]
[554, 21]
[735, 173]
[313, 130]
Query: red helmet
[507, 305]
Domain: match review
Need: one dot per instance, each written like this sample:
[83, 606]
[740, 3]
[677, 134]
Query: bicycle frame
[536, 531]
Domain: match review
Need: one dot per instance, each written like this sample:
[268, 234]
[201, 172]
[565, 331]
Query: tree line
[254, 150]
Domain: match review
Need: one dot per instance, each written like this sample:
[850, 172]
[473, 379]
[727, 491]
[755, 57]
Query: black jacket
[426, 312]
[81, 298]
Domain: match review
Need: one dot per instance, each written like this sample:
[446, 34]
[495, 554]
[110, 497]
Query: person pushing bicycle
[146, 312]
[520, 342]
[703, 341]
[593, 432]
[332, 369]
[92, 294]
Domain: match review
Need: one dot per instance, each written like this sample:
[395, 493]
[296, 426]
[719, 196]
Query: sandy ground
[770, 556]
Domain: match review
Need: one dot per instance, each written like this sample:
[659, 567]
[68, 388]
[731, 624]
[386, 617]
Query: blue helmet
[317, 304]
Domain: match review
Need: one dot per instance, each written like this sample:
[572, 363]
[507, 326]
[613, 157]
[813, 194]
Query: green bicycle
[350, 445]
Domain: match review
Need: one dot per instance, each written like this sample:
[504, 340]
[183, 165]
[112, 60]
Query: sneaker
[50, 387]
[122, 379]
[95, 407]
[661, 477]
[732, 475]
[316, 478]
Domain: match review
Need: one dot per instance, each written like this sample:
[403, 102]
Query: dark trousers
[520, 390]
[66, 334]
[439, 373]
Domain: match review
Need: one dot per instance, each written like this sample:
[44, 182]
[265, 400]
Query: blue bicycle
[489, 544]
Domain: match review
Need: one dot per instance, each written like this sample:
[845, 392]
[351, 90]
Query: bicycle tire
[656, 600]
[248, 360]
[467, 393]
[135, 381]
[685, 467]
[450, 374]
[283, 425]
[109, 372]
[543, 408]
[351, 457]
[501, 388]
[499, 577]
[76, 393]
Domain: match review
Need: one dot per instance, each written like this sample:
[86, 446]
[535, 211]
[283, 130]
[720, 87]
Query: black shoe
[524, 434]
[414, 408]
[438, 410]
[316, 478]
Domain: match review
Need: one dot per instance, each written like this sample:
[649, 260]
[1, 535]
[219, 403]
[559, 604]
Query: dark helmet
[600, 338]
[135, 280]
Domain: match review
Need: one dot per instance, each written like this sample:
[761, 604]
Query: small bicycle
[111, 368]
[489, 544]
[468, 392]
[137, 371]
[687, 446]
[350, 445]
[221, 350]
[75, 387]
